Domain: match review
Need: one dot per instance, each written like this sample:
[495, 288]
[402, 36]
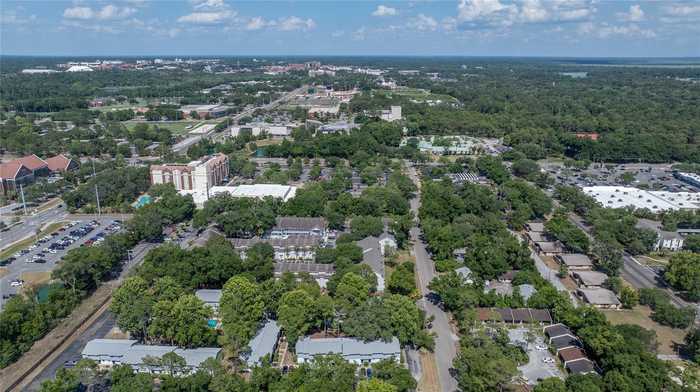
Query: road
[183, 145]
[446, 341]
[637, 274]
[98, 328]
[31, 223]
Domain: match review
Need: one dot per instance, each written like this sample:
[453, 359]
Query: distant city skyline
[530, 28]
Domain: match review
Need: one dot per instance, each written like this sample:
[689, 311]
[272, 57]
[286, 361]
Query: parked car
[16, 283]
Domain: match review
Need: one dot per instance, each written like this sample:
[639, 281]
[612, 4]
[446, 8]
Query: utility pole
[97, 194]
[24, 203]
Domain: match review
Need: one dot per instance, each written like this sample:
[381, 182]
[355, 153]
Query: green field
[420, 94]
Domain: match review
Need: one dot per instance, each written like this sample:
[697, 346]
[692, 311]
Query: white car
[16, 283]
[541, 347]
[53, 251]
[548, 360]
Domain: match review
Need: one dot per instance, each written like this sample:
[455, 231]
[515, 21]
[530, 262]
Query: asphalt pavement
[446, 341]
[24, 263]
[30, 224]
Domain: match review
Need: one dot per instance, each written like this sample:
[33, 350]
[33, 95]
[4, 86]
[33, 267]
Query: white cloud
[635, 14]
[212, 17]
[383, 10]
[481, 14]
[360, 34]
[423, 23]
[208, 5]
[292, 23]
[605, 30]
[108, 12]
[256, 23]
[13, 18]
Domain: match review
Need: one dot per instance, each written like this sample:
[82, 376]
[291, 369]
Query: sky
[551, 28]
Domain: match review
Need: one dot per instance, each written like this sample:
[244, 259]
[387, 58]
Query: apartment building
[199, 175]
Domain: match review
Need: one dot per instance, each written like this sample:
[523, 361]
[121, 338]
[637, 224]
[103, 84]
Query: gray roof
[294, 241]
[311, 268]
[536, 236]
[464, 272]
[263, 343]
[599, 296]
[299, 223]
[548, 246]
[575, 260]
[535, 226]
[555, 330]
[582, 366]
[372, 254]
[127, 352]
[527, 290]
[107, 349]
[210, 297]
[591, 278]
[502, 288]
[348, 348]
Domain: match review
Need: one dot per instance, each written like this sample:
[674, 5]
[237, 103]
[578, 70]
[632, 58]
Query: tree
[629, 297]
[692, 243]
[692, 344]
[403, 279]
[259, 261]
[395, 374]
[551, 384]
[173, 363]
[352, 291]
[363, 226]
[241, 309]
[482, 366]
[296, 314]
[132, 304]
[683, 273]
[375, 385]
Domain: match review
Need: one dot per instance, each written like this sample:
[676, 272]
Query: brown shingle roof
[571, 354]
[522, 315]
[9, 170]
[32, 162]
[541, 315]
[58, 163]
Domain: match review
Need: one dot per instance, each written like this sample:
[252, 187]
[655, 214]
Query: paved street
[446, 342]
[30, 224]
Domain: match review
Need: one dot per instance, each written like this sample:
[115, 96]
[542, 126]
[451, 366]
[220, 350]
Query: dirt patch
[35, 278]
[429, 381]
[3, 271]
[668, 338]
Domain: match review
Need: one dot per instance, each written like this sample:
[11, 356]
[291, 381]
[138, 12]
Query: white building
[391, 115]
[257, 191]
[352, 350]
[195, 177]
[79, 68]
[655, 201]
[260, 128]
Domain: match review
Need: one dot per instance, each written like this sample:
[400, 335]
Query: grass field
[19, 245]
[667, 337]
[176, 127]
[35, 279]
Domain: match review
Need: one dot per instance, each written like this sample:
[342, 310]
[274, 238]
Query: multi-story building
[291, 226]
[199, 175]
[294, 249]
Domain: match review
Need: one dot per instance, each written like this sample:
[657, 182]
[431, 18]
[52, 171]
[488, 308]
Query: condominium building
[199, 175]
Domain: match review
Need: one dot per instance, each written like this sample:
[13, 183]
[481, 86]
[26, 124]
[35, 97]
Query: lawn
[667, 337]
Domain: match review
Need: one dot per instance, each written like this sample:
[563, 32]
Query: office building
[197, 176]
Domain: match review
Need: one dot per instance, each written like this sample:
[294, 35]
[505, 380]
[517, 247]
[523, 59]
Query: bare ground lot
[429, 381]
[668, 338]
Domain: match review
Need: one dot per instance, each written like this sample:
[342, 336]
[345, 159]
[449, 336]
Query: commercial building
[666, 240]
[12, 175]
[60, 163]
[291, 226]
[655, 201]
[294, 249]
[261, 128]
[352, 350]
[205, 111]
[196, 176]
[110, 352]
[256, 191]
[337, 127]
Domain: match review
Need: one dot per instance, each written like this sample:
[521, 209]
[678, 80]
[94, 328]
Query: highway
[446, 341]
[183, 145]
[31, 223]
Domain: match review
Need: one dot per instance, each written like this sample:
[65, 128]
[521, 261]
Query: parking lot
[650, 176]
[46, 252]
[542, 364]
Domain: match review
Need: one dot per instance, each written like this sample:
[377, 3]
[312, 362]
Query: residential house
[589, 279]
[320, 272]
[465, 273]
[110, 352]
[263, 345]
[575, 261]
[291, 226]
[352, 350]
[535, 227]
[527, 291]
[599, 298]
[293, 249]
[548, 248]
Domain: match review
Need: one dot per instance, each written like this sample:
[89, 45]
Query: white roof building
[79, 68]
[655, 201]
[352, 350]
[257, 191]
